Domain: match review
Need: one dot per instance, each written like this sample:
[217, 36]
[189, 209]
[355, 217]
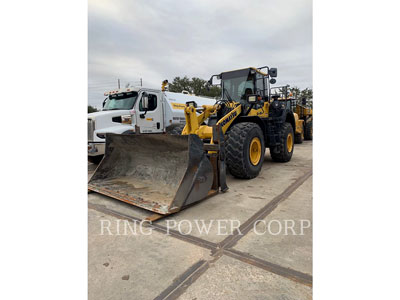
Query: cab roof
[240, 72]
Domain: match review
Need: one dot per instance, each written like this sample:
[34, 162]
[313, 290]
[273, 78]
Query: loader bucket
[158, 172]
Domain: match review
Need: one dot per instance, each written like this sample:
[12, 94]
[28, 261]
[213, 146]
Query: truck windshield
[238, 88]
[121, 101]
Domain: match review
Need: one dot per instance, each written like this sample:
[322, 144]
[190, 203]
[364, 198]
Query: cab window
[120, 101]
[152, 103]
[259, 84]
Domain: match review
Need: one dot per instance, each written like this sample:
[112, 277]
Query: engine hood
[104, 119]
[108, 114]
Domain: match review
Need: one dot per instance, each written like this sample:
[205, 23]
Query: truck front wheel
[95, 159]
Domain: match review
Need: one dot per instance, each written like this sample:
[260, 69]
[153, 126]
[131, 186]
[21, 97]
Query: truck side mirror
[272, 81]
[211, 80]
[145, 101]
[273, 72]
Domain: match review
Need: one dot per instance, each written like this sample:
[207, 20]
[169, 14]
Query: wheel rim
[255, 151]
[289, 142]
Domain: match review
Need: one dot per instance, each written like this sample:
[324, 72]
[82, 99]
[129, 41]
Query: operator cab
[250, 85]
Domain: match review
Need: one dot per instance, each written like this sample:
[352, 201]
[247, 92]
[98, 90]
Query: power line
[112, 81]
[108, 84]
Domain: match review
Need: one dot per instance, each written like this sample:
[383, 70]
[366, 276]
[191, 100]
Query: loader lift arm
[194, 123]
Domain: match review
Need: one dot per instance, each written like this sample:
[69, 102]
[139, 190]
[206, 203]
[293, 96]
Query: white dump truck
[122, 113]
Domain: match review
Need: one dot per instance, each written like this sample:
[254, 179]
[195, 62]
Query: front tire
[245, 150]
[284, 151]
[95, 159]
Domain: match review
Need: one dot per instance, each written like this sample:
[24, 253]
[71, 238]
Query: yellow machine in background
[299, 132]
[302, 113]
[165, 173]
[305, 114]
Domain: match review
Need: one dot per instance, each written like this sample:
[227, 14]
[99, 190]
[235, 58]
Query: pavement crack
[291, 274]
[231, 240]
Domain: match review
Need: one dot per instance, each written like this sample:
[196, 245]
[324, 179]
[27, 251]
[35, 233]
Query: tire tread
[234, 149]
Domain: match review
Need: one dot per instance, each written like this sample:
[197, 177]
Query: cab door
[150, 120]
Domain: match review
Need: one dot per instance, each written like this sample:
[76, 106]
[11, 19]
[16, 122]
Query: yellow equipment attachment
[193, 122]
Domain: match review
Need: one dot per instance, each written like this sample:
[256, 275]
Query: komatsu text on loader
[165, 173]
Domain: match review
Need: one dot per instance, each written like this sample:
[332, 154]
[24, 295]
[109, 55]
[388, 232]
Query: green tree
[91, 109]
[295, 91]
[195, 86]
[307, 93]
[299, 94]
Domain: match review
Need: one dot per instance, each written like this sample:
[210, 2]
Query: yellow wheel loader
[304, 111]
[166, 173]
[282, 93]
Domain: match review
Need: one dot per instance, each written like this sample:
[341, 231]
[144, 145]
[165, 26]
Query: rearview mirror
[145, 101]
[273, 72]
[211, 80]
[209, 83]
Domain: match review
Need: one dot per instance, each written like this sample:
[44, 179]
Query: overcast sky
[157, 40]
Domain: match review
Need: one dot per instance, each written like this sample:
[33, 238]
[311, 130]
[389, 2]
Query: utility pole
[119, 85]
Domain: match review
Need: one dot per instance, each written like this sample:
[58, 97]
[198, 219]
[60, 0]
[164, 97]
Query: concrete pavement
[214, 265]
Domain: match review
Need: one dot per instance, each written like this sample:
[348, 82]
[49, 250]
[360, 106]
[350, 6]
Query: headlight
[127, 119]
[252, 99]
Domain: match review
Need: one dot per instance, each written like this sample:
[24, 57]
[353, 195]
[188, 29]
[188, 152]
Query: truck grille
[91, 128]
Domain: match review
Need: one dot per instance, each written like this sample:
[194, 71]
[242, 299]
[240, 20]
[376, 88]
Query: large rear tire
[308, 132]
[245, 150]
[284, 151]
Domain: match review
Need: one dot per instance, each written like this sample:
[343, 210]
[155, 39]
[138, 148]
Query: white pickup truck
[123, 113]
